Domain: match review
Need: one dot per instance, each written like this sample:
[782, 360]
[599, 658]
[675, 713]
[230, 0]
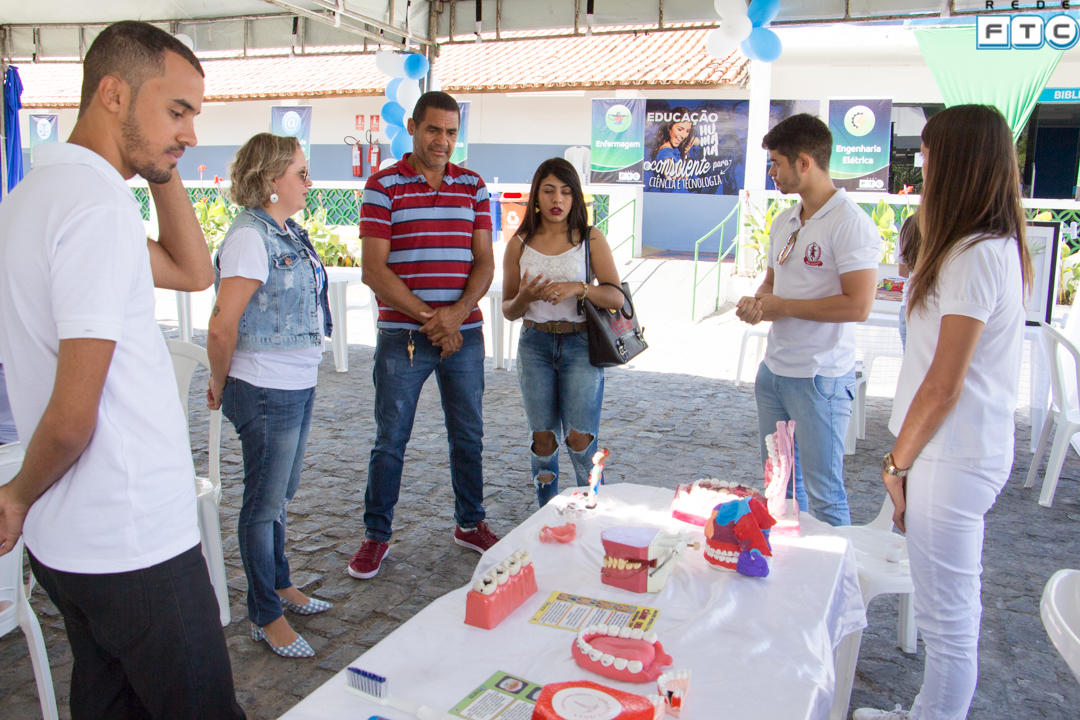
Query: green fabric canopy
[1010, 80]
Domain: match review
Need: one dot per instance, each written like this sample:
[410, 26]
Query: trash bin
[512, 207]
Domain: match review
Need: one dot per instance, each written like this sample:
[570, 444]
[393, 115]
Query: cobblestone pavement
[661, 428]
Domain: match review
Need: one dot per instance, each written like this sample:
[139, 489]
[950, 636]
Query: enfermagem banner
[293, 121]
[618, 140]
[862, 140]
[460, 156]
[43, 129]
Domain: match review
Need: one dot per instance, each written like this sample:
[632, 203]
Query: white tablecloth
[758, 648]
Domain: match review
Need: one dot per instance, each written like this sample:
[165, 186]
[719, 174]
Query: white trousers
[946, 501]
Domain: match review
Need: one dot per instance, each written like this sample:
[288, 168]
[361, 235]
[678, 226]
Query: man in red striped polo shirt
[426, 230]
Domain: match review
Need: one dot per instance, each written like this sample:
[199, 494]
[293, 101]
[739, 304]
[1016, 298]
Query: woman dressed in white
[953, 412]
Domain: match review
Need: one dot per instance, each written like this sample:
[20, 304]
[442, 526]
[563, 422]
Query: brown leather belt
[555, 327]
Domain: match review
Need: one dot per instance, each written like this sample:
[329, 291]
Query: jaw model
[737, 537]
[501, 591]
[695, 501]
[779, 469]
[585, 700]
[620, 653]
[673, 688]
[640, 559]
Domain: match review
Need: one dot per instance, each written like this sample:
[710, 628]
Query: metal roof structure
[61, 30]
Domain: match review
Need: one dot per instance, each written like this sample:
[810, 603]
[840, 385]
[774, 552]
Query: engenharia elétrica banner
[862, 142]
[618, 140]
[695, 146]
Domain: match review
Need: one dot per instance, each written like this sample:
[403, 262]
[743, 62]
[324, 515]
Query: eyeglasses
[788, 248]
[303, 173]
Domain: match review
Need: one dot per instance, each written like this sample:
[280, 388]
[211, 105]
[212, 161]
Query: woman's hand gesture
[532, 290]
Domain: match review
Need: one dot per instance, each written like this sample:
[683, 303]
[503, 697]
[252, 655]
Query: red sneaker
[479, 538]
[365, 563]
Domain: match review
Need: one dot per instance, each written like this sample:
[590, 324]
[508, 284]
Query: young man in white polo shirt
[821, 279]
[105, 497]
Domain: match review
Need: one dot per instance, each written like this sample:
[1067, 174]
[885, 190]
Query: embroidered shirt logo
[813, 255]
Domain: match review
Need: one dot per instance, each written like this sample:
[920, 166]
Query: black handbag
[614, 335]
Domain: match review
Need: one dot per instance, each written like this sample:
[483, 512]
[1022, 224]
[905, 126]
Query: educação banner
[862, 143]
[695, 146]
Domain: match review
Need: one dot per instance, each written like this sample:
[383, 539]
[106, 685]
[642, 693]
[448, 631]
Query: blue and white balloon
[763, 12]
[416, 66]
[407, 95]
[390, 63]
[401, 144]
[393, 113]
[392, 88]
[763, 44]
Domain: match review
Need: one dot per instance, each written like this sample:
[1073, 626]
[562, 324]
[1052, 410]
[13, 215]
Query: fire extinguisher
[357, 156]
[373, 155]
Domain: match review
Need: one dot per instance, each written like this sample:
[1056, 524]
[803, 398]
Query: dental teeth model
[641, 559]
[585, 700]
[673, 687]
[695, 501]
[737, 537]
[779, 469]
[501, 591]
[631, 657]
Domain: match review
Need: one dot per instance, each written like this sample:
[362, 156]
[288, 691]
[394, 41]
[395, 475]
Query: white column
[756, 156]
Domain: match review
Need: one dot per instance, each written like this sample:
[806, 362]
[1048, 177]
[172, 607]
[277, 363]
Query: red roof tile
[644, 59]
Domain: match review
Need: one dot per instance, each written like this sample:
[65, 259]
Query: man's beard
[135, 145]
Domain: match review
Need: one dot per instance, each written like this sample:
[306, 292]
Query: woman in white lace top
[543, 280]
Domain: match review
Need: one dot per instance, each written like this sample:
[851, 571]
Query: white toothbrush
[376, 689]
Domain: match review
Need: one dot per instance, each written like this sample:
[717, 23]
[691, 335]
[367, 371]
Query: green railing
[603, 226]
[721, 253]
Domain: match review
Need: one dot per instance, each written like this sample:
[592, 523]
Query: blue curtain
[13, 141]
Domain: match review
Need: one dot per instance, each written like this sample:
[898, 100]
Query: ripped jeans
[562, 391]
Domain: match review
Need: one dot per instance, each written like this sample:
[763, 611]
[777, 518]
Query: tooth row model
[779, 469]
[673, 687]
[737, 537]
[641, 559]
[620, 653]
[695, 501]
[501, 591]
[585, 700]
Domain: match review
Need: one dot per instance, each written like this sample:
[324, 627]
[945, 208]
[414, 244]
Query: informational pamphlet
[501, 697]
[573, 612]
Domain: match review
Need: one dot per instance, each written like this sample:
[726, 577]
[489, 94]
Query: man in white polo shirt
[821, 279]
[105, 498]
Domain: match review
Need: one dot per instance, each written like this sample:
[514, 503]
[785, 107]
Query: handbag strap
[588, 258]
[589, 277]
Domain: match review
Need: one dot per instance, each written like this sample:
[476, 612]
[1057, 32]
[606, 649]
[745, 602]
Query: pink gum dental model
[558, 533]
[501, 591]
[779, 470]
[620, 653]
[673, 687]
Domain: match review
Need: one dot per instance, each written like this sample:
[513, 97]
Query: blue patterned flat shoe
[312, 606]
[298, 648]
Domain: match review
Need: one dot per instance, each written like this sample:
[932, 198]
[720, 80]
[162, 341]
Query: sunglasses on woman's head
[788, 248]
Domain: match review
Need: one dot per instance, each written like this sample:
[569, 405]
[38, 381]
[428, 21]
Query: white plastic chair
[1060, 609]
[339, 308]
[186, 358]
[878, 576]
[15, 610]
[759, 331]
[1064, 410]
[857, 427]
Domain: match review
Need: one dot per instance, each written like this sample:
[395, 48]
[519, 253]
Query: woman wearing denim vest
[543, 279]
[265, 344]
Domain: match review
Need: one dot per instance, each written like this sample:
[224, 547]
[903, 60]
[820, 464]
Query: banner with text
[862, 142]
[460, 156]
[43, 129]
[293, 121]
[782, 110]
[695, 146]
[618, 140]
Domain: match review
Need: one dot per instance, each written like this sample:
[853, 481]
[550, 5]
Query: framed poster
[1042, 240]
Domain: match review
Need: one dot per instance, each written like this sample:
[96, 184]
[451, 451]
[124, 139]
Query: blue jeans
[562, 391]
[273, 427]
[398, 382]
[821, 409]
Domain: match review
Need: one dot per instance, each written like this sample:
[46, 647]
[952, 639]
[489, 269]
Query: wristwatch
[889, 467]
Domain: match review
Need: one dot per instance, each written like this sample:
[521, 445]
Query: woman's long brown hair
[577, 220]
[971, 193]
